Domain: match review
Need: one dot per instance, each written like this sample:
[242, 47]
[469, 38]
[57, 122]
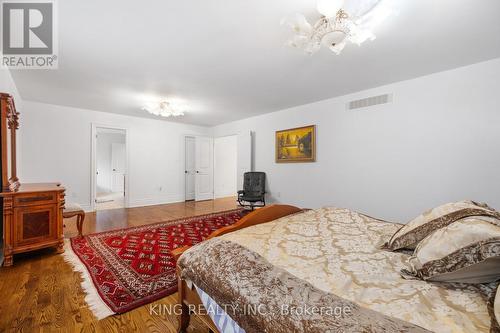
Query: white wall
[103, 159]
[56, 146]
[225, 166]
[438, 142]
[8, 86]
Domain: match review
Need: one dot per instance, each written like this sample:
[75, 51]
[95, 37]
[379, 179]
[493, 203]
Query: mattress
[224, 322]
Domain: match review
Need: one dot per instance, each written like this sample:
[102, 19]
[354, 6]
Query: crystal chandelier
[342, 21]
[163, 108]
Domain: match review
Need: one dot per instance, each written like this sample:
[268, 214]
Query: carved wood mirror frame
[9, 125]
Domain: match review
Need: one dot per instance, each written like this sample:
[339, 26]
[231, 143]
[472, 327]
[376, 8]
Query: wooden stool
[72, 210]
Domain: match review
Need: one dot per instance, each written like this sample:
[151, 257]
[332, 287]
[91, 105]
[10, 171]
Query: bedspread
[334, 254]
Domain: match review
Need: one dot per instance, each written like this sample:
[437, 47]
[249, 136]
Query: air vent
[370, 101]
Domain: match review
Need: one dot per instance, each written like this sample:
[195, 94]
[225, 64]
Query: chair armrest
[241, 192]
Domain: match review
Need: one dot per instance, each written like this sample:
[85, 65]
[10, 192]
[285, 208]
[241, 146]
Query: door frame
[93, 164]
[183, 164]
[183, 150]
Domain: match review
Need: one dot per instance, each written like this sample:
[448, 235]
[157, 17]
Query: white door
[118, 167]
[190, 169]
[204, 157]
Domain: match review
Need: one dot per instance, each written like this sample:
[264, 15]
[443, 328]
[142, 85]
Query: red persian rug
[124, 269]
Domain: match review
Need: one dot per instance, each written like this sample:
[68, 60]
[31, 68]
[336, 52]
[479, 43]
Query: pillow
[409, 235]
[467, 250]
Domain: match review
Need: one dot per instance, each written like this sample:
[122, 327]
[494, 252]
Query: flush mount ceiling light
[342, 21]
[164, 108]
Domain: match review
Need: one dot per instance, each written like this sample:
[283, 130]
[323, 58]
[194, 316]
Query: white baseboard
[144, 202]
[225, 195]
[155, 201]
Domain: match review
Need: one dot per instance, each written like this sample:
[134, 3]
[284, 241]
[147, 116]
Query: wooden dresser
[32, 219]
[32, 213]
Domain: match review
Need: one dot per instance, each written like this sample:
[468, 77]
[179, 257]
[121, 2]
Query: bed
[282, 269]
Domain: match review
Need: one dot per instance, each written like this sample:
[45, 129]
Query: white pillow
[467, 250]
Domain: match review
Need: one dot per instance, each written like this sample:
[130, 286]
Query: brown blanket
[263, 298]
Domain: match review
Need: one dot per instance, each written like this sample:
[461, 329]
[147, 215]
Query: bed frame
[188, 296]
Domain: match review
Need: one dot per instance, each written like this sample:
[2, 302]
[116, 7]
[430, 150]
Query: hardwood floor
[41, 292]
[114, 200]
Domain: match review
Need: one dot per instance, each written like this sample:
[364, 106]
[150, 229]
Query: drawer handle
[32, 199]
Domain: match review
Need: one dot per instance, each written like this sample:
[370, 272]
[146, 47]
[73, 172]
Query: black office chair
[254, 189]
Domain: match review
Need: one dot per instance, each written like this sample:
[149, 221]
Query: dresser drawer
[32, 199]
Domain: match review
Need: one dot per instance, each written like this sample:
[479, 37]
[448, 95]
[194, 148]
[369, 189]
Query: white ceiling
[227, 58]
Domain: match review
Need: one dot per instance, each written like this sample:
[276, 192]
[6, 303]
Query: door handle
[197, 171]
[185, 171]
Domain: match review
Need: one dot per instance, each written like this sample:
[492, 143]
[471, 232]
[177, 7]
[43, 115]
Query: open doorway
[225, 166]
[110, 168]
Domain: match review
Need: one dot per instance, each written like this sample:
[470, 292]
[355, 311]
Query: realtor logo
[29, 34]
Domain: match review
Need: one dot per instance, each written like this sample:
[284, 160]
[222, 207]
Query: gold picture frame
[296, 145]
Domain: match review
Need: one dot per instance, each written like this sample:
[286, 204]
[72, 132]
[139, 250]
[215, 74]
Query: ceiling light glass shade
[333, 38]
[337, 48]
[163, 109]
[329, 8]
[342, 22]
[298, 24]
[361, 35]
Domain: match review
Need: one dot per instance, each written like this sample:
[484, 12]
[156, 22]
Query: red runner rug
[124, 269]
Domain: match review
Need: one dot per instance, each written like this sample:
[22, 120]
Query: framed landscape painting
[296, 145]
